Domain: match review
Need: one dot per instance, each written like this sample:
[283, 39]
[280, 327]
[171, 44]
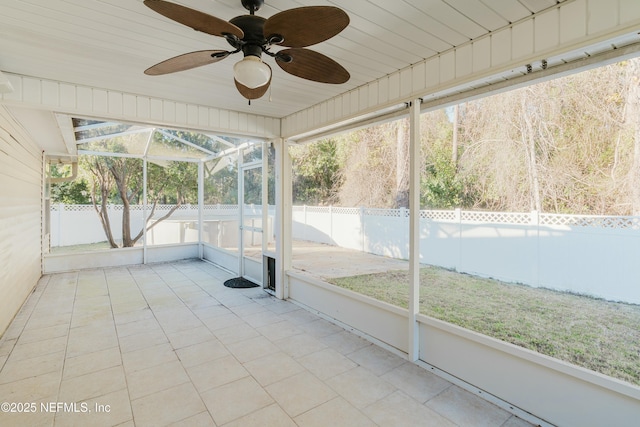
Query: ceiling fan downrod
[252, 5]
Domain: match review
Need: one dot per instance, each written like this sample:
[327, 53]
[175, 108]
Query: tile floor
[168, 344]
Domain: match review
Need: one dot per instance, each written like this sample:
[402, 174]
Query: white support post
[240, 214]
[283, 218]
[144, 210]
[200, 209]
[414, 229]
[265, 202]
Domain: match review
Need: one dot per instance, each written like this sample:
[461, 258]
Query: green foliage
[71, 193]
[221, 181]
[442, 187]
[316, 171]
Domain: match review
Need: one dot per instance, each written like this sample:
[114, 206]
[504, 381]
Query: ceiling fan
[253, 35]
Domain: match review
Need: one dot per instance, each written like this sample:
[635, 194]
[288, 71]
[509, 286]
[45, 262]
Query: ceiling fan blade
[186, 62]
[304, 26]
[199, 21]
[311, 65]
[253, 93]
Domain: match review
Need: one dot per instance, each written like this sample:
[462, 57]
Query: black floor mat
[239, 282]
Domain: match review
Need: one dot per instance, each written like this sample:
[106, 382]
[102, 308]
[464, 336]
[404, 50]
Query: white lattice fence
[580, 253]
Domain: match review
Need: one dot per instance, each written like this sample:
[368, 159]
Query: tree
[119, 179]
[402, 164]
[74, 192]
[316, 174]
[442, 186]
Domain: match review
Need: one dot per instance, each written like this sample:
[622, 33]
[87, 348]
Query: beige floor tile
[137, 327]
[278, 331]
[376, 359]
[299, 393]
[271, 416]
[300, 345]
[194, 361]
[91, 362]
[39, 334]
[235, 333]
[210, 311]
[223, 321]
[234, 400]
[360, 387]
[416, 381]
[157, 378]
[38, 348]
[142, 340]
[516, 422]
[89, 317]
[399, 410]
[252, 348]
[44, 319]
[216, 373]
[189, 337]
[132, 314]
[248, 309]
[262, 318]
[107, 410]
[272, 368]
[91, 385]
[167, 406]
[175, 320]
[345, 342]
[203, 419]
[465, 408]
[281, 307]
[31, 389]
[300, 316]
[326, 363]
[78, 345]
[320, 328]
[148, 357]
[201, 302]
[19, 369]
[197, 354]
[103, 328]
[30, 419]
[336, 412]
[7, 345]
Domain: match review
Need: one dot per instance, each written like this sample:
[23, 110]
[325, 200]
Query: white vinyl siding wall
[20, 217]
[109, 104]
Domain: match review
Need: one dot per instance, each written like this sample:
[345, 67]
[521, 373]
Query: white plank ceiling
[109, 43]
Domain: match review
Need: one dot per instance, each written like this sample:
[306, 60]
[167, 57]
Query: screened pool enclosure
[155, 194]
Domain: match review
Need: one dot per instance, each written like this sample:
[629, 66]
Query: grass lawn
[599, 335]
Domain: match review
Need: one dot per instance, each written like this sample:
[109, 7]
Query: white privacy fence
[596, 255]
[79, 224]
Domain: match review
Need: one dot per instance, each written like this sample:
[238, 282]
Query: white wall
[20, 216]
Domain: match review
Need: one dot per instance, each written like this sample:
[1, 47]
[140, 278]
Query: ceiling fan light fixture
[252, 72]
